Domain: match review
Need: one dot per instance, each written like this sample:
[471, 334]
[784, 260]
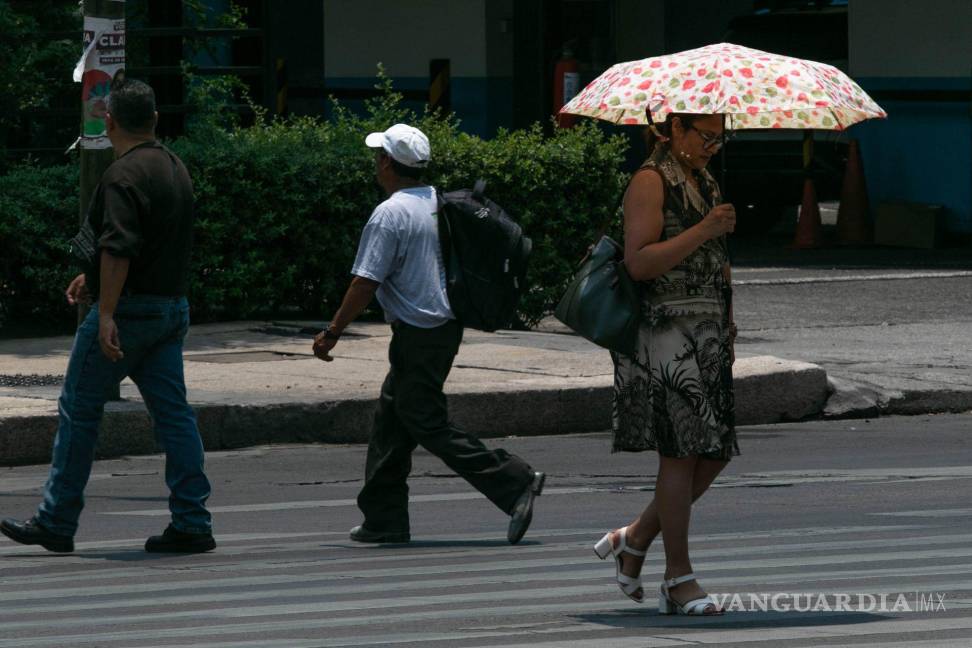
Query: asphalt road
[804, 298]
[816, 509]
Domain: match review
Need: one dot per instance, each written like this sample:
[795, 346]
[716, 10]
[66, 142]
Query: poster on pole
[101, 62]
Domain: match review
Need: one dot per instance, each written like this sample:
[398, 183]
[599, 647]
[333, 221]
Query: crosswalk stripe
[796, 532]
[943, 513]
[600, 642]
[723, 636]
[14, 549]
[260, 589]
[771, 478]
[183, 564]
[308, 584]
[327, 607]
[513, 562]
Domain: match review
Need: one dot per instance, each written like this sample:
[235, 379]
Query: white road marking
[774, 478]
[891, 276]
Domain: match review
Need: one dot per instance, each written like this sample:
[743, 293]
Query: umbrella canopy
[753, 89]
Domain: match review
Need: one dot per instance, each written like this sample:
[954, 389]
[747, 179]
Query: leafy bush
[38, 214]
[281, 205]
[36, 60]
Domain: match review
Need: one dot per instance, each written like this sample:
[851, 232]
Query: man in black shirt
[138, 233]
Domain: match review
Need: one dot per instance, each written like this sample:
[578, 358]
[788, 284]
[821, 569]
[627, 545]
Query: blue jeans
[151, 330]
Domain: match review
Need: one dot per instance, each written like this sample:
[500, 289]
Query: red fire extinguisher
[565, 86]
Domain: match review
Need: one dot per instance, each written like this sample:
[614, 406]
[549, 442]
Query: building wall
[403, 36]
[904, 38]
[639, 29]
[475, 35]
[916, 59]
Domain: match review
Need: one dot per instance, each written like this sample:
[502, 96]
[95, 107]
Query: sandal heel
[604, 547]
[665, 606]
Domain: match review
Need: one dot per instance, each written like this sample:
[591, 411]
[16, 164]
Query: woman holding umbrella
[674, 393]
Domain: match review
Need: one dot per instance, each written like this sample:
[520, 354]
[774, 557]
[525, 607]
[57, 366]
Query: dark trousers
[412, 411]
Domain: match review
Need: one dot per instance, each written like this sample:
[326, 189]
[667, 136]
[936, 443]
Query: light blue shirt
[400, 249]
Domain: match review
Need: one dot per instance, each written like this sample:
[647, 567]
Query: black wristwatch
[331, 335]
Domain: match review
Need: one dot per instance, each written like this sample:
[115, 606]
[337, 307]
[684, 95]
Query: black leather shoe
[174, 541]
[523, 510]
[361, 534]
[32, 533]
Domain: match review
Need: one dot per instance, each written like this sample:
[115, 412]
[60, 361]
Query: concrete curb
[914, 402]
[855, 400]
[767, 389]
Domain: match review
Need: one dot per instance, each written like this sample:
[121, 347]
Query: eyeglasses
[710, 141]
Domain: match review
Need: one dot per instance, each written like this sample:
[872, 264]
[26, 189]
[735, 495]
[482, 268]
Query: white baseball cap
[404, 144]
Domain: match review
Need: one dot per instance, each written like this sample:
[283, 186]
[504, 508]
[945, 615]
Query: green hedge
[280, 208]
[38, 215]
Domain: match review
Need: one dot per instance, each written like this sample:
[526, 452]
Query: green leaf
[281, 205]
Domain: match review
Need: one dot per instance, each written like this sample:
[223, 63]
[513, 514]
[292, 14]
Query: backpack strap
[445, 233]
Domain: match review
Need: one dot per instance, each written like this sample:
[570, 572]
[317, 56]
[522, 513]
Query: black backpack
[485, 256]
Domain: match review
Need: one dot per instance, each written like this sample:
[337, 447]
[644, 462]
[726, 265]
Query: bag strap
[479, 189]
[445, 232]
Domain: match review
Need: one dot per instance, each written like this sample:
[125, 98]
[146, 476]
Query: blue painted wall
[923, 151]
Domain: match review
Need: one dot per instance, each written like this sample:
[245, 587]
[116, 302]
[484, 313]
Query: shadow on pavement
[430, 544]
[128, 555]
[730, 621]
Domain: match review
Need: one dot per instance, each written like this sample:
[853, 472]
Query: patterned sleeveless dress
[675, 395]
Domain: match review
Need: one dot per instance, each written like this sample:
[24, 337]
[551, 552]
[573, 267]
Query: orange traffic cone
[853, 225]
[809, 232]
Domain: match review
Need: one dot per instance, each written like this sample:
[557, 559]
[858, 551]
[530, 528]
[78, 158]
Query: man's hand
[108, 338]
[323, 346]
[77, 291]
[356, 299]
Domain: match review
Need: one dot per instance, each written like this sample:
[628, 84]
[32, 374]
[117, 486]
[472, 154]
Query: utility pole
[102, 61]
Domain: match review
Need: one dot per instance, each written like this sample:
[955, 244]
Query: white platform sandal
[695, 607]
[630, 585]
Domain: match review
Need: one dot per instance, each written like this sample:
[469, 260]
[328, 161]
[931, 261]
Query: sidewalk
[257, 382]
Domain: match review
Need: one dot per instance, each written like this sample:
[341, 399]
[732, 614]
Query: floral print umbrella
[753, 89]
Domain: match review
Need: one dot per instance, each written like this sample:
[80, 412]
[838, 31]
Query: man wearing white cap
[400, 261]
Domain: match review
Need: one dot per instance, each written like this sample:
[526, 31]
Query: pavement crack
[519, 371]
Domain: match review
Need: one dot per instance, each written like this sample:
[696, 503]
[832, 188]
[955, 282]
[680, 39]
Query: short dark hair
[412, 173]
[131, 104]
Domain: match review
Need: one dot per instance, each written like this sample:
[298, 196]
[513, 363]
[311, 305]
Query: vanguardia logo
[840, 602]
